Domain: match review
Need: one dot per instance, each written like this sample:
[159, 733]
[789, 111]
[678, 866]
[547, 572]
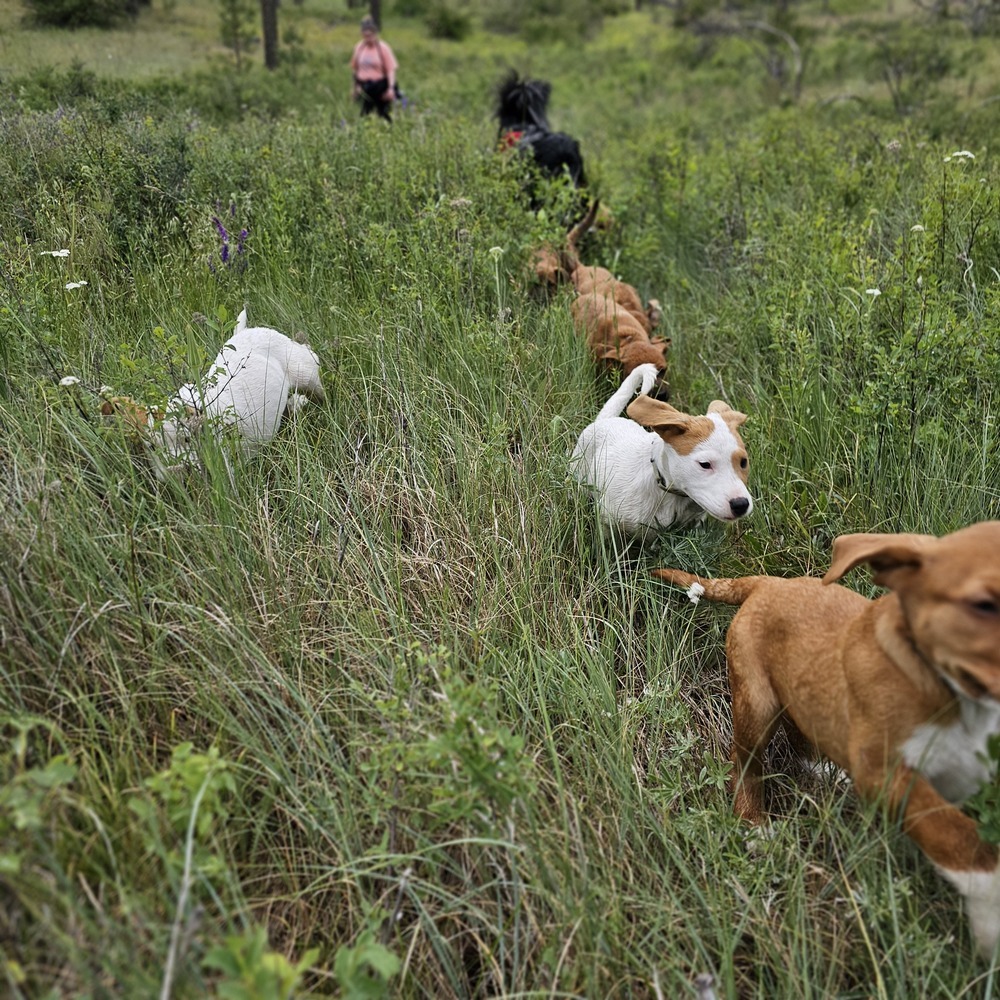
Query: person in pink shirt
[374, 67]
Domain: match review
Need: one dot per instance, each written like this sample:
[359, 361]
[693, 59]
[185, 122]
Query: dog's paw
[296, 401]
[982, 904]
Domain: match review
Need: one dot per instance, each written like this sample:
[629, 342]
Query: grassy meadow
[387, 713]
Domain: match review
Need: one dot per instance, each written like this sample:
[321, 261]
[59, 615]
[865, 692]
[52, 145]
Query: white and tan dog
[673, 474]
[257, 375]
[902, 692]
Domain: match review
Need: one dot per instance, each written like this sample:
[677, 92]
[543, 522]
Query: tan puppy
[553, 267]
[135, 418]
[549, 267]
[902, 692]
[591, 281]
[615, 338]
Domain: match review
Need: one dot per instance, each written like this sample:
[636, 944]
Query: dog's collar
[660, 481]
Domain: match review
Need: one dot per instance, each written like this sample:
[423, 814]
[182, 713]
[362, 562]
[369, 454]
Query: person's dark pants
[371, 98]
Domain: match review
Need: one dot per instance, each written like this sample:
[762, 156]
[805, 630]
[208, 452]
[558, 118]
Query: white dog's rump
[257, 375]
[675, 473]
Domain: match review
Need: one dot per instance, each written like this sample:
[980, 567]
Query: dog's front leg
[951, 840]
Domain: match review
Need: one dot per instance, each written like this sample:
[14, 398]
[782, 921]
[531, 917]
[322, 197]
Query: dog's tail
[732, 590]
[571, 255]
[644, 374]
[241, 321]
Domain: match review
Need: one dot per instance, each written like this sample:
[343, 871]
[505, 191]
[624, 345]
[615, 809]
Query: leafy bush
[541, 20]
[445, 20]
[78, 13]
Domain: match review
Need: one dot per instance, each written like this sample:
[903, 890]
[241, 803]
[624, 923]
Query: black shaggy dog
[521, 110]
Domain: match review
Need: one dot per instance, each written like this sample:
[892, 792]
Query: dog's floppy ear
[658, 416]
[886, 554]
[548, 266]
[733, 418]
[654, 313]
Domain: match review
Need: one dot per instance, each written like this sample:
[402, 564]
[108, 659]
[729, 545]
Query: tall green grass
[390, 694]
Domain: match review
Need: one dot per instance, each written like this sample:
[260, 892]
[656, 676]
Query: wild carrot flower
[54, 253]
[70, 285]
[68, 381]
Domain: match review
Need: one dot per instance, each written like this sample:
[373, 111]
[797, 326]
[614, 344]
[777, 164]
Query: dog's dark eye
[743, 463]
[705, 465]
[985, 606]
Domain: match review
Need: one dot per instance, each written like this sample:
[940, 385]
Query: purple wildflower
[226, 255]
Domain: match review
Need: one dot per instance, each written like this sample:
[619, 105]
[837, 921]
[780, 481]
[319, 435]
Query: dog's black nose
[739, 506]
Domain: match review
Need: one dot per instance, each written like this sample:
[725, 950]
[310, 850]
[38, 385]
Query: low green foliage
[366, 969]
[985, 804]
[30, 796]
[248, 971]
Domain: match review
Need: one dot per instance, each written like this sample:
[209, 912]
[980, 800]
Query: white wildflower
[70, 285]
[917, 228]
[496, 252]
[873, 292]
[695, 592]
[54, 253]
[69, 381]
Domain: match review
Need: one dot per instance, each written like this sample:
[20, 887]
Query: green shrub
[78, 13]
[445, 20]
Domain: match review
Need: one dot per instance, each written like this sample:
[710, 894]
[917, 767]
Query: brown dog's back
[792, 622]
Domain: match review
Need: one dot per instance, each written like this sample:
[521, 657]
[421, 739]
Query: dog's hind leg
[756, 716]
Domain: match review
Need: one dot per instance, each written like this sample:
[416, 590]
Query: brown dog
[902, 692]
[591, 281]
[136, 419]
[615, 338]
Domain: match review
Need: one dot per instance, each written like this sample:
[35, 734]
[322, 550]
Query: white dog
[673, 474]
[258, 375]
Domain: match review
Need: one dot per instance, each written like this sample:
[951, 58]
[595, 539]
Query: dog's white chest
[953, 757]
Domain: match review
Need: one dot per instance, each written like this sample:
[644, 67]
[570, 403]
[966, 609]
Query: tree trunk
[269, 23]
[375, 8]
